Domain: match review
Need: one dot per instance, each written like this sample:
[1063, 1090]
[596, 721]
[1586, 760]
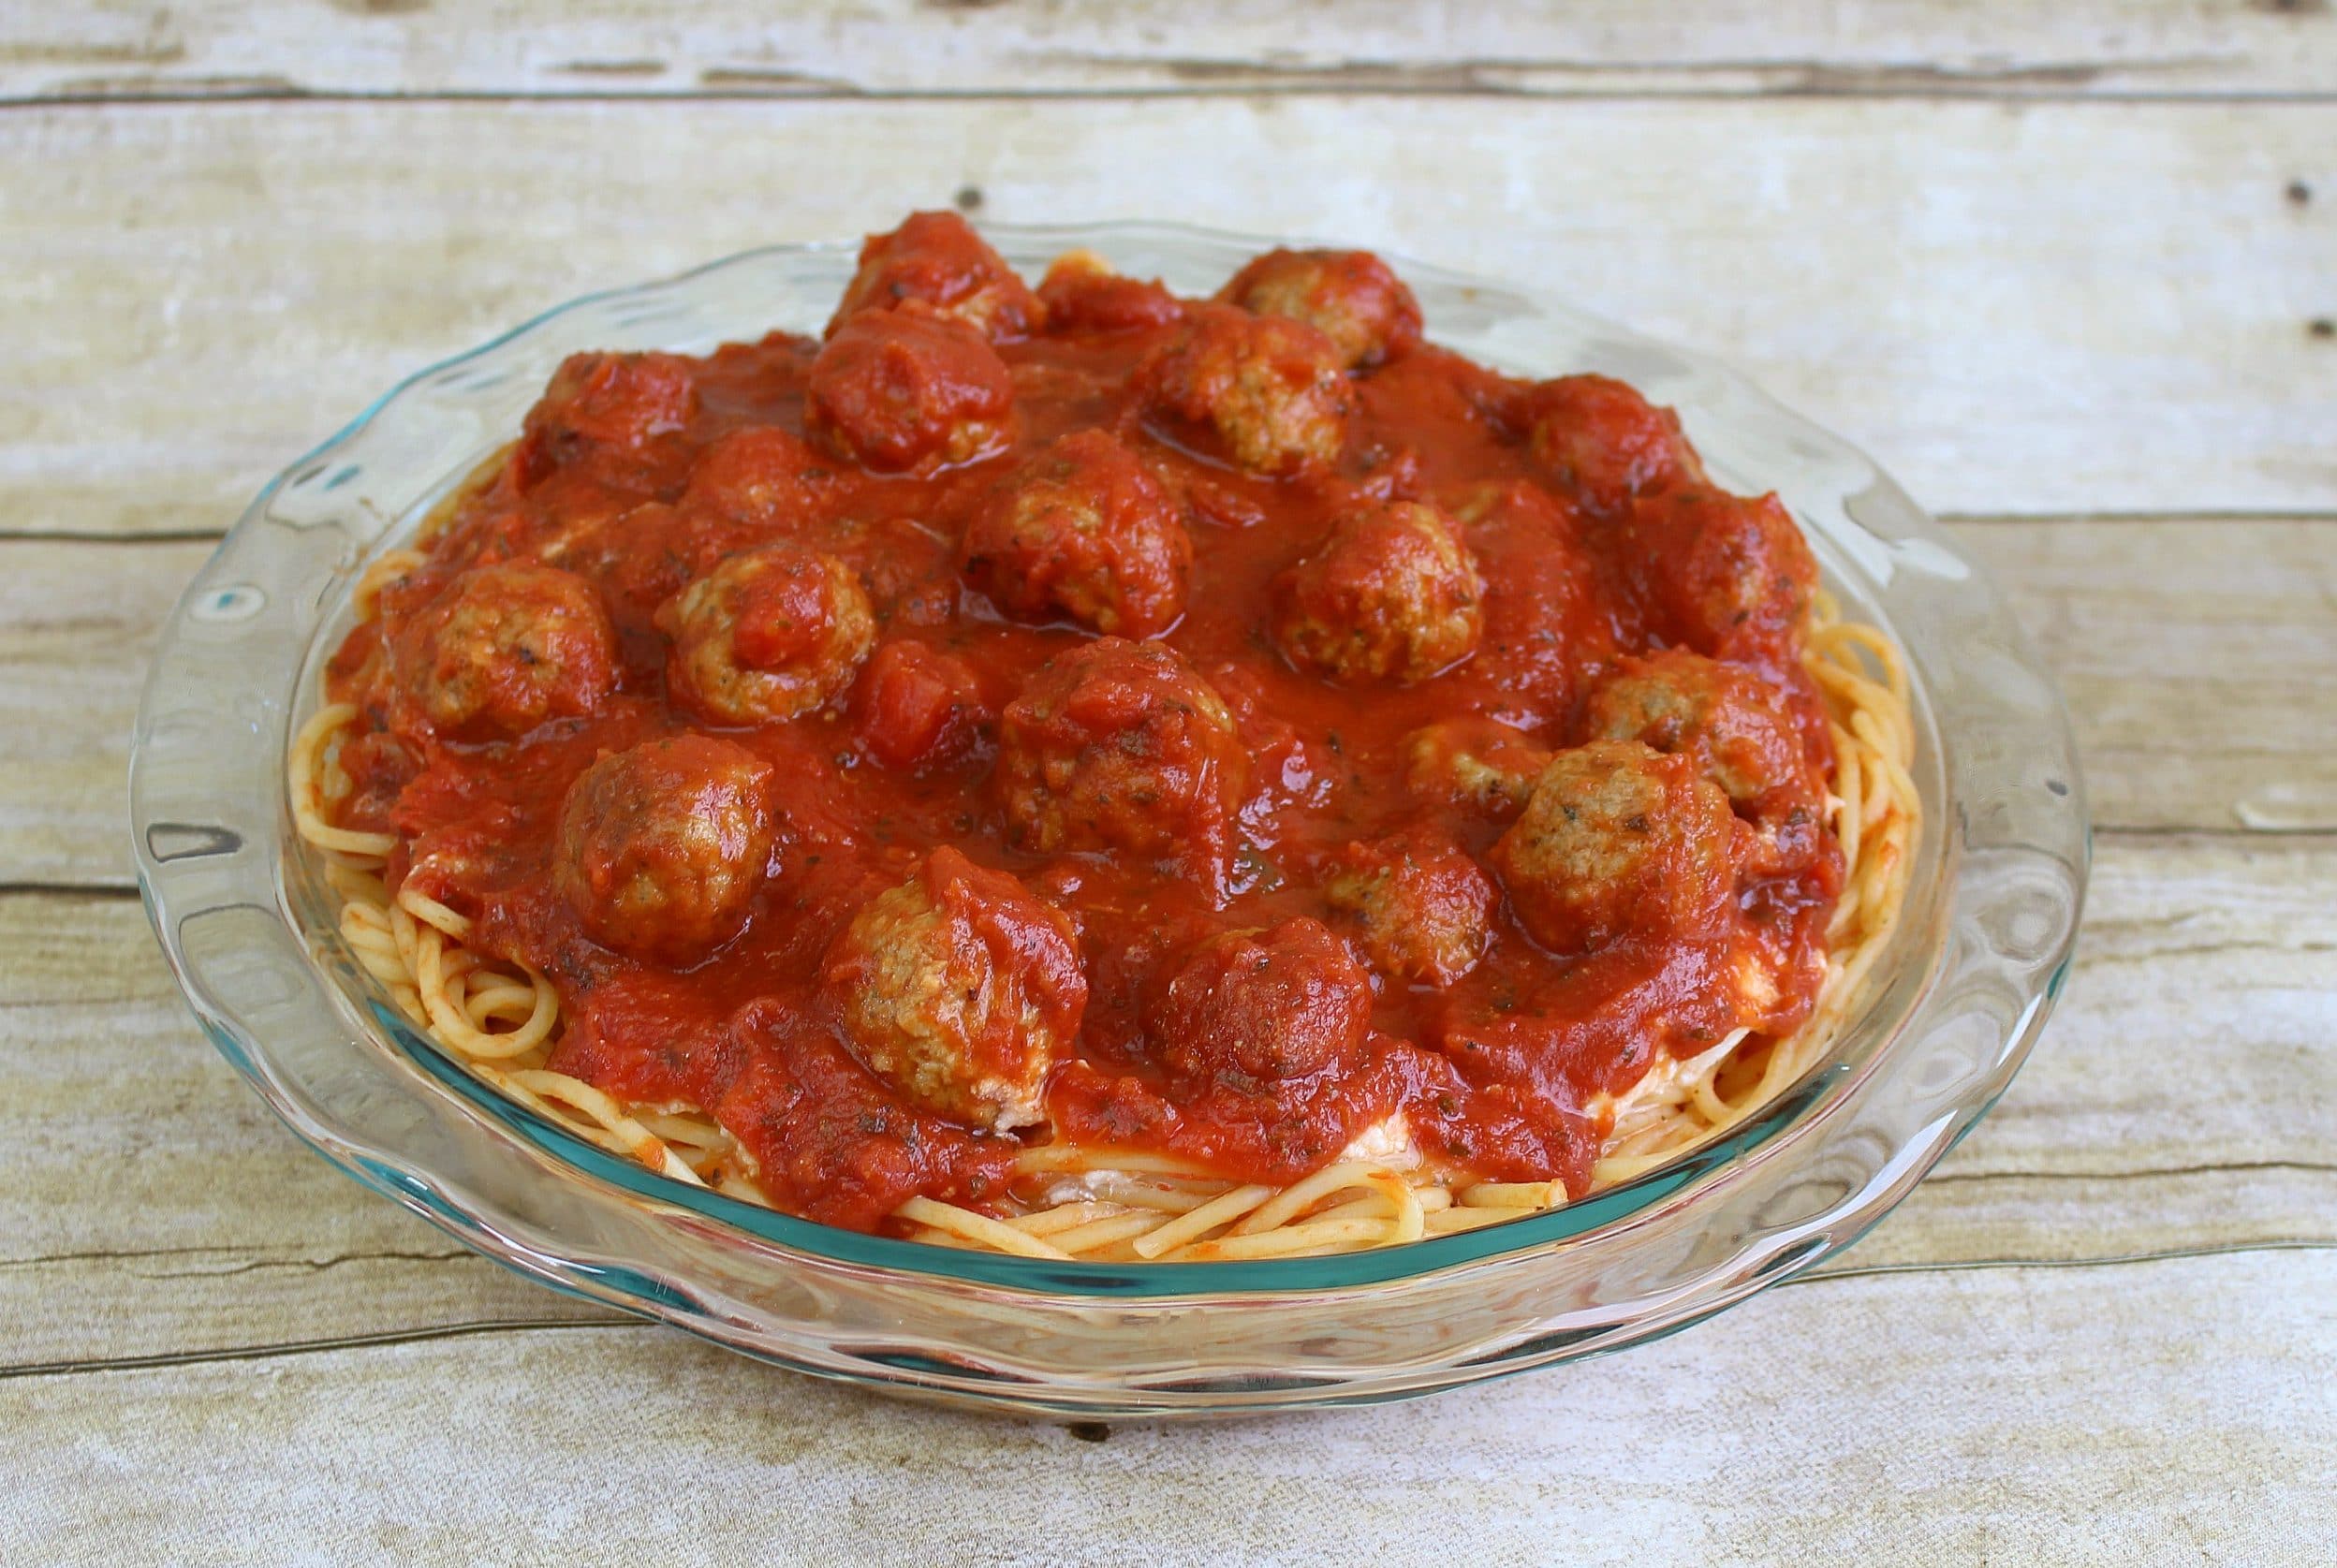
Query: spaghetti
[1099, 1161]
[498, 1019]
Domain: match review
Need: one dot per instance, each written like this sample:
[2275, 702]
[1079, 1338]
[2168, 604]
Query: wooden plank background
[2071, 271]
[127, 48]
[2032, 309]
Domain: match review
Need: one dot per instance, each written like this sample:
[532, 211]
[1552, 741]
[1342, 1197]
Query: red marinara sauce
[1086, 714]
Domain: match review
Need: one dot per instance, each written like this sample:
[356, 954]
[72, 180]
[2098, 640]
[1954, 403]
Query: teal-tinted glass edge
[1379, 1266]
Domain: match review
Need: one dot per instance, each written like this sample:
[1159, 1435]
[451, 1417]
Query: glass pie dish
[1950, 1011]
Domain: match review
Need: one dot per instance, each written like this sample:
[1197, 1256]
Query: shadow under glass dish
[250, 930]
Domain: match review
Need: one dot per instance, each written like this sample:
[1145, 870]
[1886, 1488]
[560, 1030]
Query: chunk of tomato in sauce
[917, 706]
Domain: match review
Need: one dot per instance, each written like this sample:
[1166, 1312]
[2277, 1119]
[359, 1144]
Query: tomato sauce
[648, 474]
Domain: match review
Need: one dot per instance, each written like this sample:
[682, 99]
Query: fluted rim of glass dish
[237, 664]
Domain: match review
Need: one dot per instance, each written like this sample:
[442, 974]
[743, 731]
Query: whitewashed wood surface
[117, 49]
[2071, 271]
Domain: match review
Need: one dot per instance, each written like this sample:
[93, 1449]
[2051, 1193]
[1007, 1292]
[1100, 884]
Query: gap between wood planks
[740, 85]
[626, 1322]
[315, 1264]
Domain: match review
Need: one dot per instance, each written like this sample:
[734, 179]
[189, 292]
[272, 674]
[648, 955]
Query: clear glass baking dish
[249, 929]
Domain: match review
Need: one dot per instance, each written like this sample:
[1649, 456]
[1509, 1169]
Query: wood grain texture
[78, 626]
[2198, 661]
[2026, 308]
[2100, 1333]
[223, 1235]
[2162, 48]
[2195, 657]
[1826, 1421]
[208, 1224]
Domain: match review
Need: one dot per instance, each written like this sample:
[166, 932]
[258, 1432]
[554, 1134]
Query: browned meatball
[1263, 1007]
[1729, 576]
[1420, 906]
[1735, 727]
[662, 847]
[629, 555]
[1274, 391]
[1480, 765]
[1392, 595]
[1620, 840]
[759, 475]
[957, 989]
[907, 390]
[1082, 531]
[1352, 297]
[1085, 293]
[937, 258]
[507, 648]
[1548, 625]
[615, 399]
[1603, 442]
[606, 402]
[768, 634]
[1120, 745]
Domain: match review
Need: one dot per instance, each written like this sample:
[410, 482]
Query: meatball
[1122, 745]
[916, 707]
[507, 648]
[1735, 727]
[1273, 391]
[637, 557]
[760, 475]
[768, 634]
[1265, 1007]
[1084, 293]
[937, 258]
[1392, 595]
[1619, 840]
[605, 401]
[957, 989]
[1082, 531]
[1726, 576]
[1350, 297]
[906, 389]
[1603, 442]
[1480, 765]
[661, 848]
[1420, 906]
[1546, 624]
[1730, 721]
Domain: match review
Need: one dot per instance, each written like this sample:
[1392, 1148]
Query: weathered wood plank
[2197, 661]
[2179, 1101]
[2194, 655]
[2126, 1415]
[78, 626]
[202, 1222]
[205, 290]
[119, 49]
